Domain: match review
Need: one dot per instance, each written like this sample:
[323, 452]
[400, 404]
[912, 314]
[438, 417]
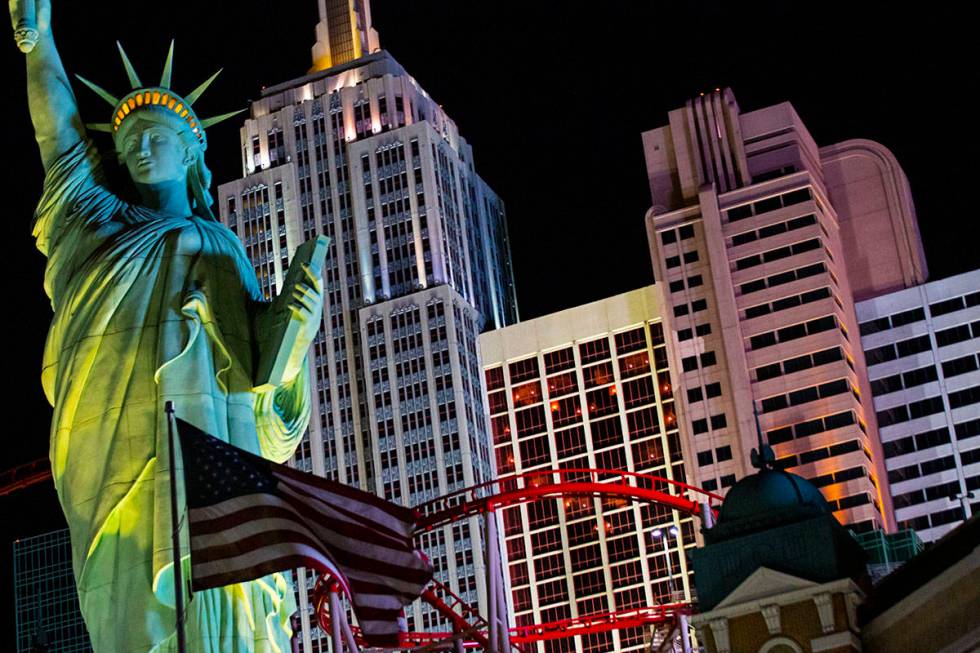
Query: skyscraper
[46, 602]
[762, 241]
[419, 264]
[589, 388]
[922, 346]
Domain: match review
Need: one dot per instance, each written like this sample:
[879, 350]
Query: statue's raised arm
[54, 111]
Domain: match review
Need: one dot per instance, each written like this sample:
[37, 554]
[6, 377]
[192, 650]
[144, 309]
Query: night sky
[553, 99]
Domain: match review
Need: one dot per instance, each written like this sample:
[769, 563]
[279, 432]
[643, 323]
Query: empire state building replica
[419, 264]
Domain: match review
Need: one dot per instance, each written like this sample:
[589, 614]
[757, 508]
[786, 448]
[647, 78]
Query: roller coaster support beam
[337, 637]
[492, 559]
[707, 515]
[685, 632]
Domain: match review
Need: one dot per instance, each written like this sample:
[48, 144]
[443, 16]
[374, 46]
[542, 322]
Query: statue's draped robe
[149, 309]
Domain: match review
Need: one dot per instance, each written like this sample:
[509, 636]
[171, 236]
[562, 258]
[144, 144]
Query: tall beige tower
[762, 241]
[343, 34]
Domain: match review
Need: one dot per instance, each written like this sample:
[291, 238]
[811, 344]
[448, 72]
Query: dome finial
[764, 457]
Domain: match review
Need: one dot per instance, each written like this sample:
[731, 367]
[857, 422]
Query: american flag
[249, 517]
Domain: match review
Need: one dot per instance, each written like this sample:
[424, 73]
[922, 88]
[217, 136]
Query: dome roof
[770, 497]
[772, 491]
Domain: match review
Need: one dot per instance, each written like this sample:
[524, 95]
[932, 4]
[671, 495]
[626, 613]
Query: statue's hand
[30, 19]
[306, 308]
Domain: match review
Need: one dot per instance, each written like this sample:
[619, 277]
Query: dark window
[708, 359]
[712, 390]
[946, 306]
[676, 286]
[874, 326]
[913, 346]
[668, 237]
[694, 281]
[920, 376]
[687, 231]
[705, 458]
[685, 334]
[964, 397]
[690, 257]
[673, 261]
[702, 329]
[719, 421]
[966, 430]
[894, 415]
[742, 239]
[723, 453]
[699, 426]
[953, 335]
[689, 363]
[681, 310]
[699, 305]
[886, 385]
[908, 317]
[959, 366]
[880, 355]
[739, 213]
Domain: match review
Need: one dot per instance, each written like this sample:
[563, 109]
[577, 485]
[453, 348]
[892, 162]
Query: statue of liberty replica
[154, 301]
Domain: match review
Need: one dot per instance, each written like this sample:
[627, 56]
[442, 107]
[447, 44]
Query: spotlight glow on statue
[153, 301]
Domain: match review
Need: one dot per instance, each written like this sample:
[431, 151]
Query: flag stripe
[396, 531]
[358, 497]
[359, 566]
[255, 521]
[250, 517]
[317, 509]
[230, 514]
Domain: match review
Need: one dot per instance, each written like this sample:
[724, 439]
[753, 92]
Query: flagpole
[175, 527]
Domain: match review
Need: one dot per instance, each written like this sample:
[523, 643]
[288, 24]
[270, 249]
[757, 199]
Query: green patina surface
[153, 305]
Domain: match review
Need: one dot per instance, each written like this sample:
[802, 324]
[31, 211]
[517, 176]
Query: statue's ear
[191, 152]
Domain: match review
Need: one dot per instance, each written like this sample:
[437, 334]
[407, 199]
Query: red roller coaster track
[524, 488]
[488, 497]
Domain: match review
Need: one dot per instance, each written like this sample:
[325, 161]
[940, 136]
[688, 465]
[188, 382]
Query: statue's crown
[160, 97]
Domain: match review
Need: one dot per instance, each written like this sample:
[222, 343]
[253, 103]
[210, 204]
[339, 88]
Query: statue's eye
[158, 138]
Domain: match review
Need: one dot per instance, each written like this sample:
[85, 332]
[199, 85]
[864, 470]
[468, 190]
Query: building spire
[343, 34]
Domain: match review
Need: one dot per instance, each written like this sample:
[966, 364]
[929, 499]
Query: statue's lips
[145, 163]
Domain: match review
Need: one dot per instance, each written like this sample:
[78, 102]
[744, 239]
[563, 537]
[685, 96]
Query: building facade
[46, 602]
[418, 266]
[761, 241]
[589, 388]
[922, 347]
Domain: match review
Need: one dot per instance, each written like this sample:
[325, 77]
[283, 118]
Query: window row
[914, 410]
[690, 363]
[806, 395]
[721, 454]
[933, 466]
[958, 334]
[940, 518]
[694, 307]
[700, 330]
[711, 390]
[787, 302]
[672, 235]
[948, 490]
[774, 229]
[962, 365]
[782, 278]
[800, 363]
[909, 379]
[955, 304]
[811, 427]
[900, 349]
[692, 281]
[777, 254]
[822, 453]
[769, 204]
[700, 426]
[689, 257]
[793, 332]
[893, 321]
[917, 442]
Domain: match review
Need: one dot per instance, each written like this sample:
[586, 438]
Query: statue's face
[154, 153]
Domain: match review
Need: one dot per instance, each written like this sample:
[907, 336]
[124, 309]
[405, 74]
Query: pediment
[764, 583]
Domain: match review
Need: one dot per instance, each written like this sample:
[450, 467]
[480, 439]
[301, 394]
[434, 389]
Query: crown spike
[134, 79]
[194, 95]
[209, 122]
[99, 127]
[101, 92]
[168, 67]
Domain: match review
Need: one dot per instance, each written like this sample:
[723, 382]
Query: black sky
[553, 97]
